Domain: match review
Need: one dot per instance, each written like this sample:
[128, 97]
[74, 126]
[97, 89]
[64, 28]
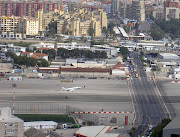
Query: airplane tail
[63, 88]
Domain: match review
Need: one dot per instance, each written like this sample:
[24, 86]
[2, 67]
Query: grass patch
[46, 117]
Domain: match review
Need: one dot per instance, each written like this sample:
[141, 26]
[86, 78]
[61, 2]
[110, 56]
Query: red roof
[77, 69]
[85, 70]
[43, 48]
[25, 53]
[40, 54]
[119, 65]
[118, 68]
[35, 57]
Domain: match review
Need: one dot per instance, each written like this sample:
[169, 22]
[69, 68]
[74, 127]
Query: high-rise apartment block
[172, 9]
[27, 9]
[132, 10]
[14, 27]
[79, 21]
[114, 6]
[10, 126]
[10, 26]
[31, 26]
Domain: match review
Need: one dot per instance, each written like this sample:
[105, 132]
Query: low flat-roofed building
[15, 78]
[173, 128]
[168, 56]
[74, 45]
[40, 125]
[95, 131]
[89, 65]
[40, 45]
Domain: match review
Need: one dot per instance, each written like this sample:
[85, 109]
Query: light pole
[14, 95]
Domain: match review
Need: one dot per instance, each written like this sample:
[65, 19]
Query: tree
[91, 32]
[156, 32]
[103, 54]
[83, 39]
[64, 27]
[63, 53]
[136, 26]
[132, 131]
[166, 46]
[51, 53]
[172, 46]
[53, 28]
[171, 27]
[28, 50]
[127, 29]
[59, 39]
[105, 31]
[10, 54]
[32, 61]
[158, 130]
[43, 63]
[75, 53]
[124, 51]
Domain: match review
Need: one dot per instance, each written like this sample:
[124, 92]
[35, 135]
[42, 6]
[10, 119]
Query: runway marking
[174, 81]
[162, 99]
[25, 86]
[122, 112]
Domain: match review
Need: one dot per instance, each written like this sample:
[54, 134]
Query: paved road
[149, 106]
[68, 97]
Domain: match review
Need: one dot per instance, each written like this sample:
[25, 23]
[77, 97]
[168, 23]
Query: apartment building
[138, 11]
[46, 17]
[132, 10]
[114, 6]
[31, 26]
[10, 125]
[24, 8]
[172, 9]
[78, 22]
[10, 47]
[158, 13]
[10, 27]
[14, 27]
[172, 13]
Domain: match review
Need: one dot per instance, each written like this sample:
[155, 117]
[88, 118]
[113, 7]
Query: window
[175, 135]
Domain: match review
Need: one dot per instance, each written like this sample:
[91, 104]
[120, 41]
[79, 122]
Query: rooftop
[98, 131]
[174, 124]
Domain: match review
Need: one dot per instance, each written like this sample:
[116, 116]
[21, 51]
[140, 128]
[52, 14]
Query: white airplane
[70, 89]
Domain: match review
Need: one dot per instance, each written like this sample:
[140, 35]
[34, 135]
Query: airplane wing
[70, 89]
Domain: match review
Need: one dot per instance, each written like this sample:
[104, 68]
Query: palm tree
[172, 46]
[166, 45]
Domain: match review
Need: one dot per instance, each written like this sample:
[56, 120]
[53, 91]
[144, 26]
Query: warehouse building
[168, 56]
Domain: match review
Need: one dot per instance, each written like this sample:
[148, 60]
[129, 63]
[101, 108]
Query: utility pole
[14, 95]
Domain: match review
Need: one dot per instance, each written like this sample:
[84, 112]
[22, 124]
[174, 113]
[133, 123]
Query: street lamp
[14, 86]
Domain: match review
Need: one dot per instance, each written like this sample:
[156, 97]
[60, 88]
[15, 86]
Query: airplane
[70, 89]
